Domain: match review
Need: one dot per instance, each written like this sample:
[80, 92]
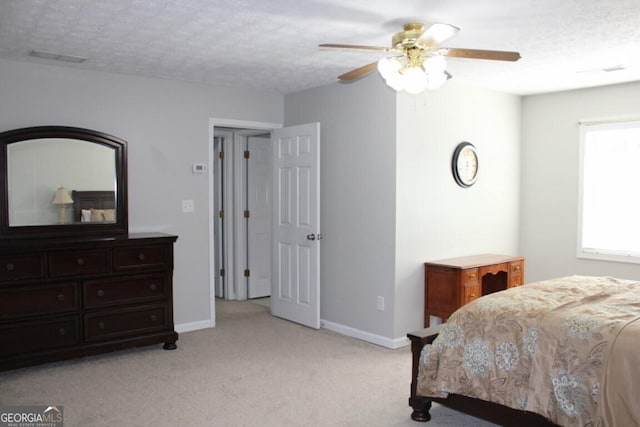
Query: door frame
[227, 123]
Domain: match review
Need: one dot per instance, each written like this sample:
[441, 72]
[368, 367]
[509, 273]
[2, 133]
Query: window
[609, 226]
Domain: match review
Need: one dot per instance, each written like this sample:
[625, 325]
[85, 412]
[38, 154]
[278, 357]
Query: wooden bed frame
[488, 411]
[91, 200]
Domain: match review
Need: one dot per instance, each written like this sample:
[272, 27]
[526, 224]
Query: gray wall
[550, 153]
[435, 218]
[166, 125]
[358, 166]
[389, 201]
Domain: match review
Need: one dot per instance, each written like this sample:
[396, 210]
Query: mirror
[62, 181]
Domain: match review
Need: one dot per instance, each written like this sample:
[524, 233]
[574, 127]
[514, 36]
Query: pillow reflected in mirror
[102, 215]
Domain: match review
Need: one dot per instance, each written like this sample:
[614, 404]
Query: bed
[557, 352]
[93, 206]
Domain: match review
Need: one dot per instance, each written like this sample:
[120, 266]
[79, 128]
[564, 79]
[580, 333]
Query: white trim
[239, 228]
[591, 122]
[242, 124]
[230, 284]
[212, 254]
[194, 326]
[221, 122]
[392, 343]
[581, 143]
[592, 253]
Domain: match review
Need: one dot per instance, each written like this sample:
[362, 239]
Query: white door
[295, 284]
[259, 201]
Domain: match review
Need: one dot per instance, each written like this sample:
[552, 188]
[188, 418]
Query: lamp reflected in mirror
[62, 198]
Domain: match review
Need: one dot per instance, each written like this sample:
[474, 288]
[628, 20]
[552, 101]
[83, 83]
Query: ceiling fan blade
[497, 55]
[436, 34]
[356, 46]
[358, 72]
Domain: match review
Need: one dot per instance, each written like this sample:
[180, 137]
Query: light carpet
[252, 369]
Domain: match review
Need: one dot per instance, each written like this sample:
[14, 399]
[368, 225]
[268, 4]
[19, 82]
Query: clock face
[465, 164]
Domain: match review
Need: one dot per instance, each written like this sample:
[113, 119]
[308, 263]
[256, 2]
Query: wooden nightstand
[451, 283]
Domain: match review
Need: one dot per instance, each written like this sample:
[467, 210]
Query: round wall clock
[464, 164]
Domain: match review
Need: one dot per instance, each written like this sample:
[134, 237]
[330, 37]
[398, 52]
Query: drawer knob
[516, 268]
[100, 325]
[154, 317]
[80, 261]
[153, 287]
[10, 267]
[60, 297]
[472, 275]
[100, 293]
[473, 295]
[141, 257]
[62, 331]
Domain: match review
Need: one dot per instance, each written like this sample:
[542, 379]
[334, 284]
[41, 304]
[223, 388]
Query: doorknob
[311, 236]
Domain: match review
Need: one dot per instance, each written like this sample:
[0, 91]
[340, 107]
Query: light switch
[187, 206]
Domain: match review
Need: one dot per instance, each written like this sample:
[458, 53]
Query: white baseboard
[392, 343]
[193, 326]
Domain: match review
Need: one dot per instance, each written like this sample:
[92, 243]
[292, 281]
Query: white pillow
[86, 215]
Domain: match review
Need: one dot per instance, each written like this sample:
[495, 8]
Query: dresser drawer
[471, 292]
[126, 322]
[494, 269]
[122, 290]
[516, 267]
[470, 276]
[516, 278]
[18, 338]
[142, 257]
[72, 263]
[21, 267]
[35, 300]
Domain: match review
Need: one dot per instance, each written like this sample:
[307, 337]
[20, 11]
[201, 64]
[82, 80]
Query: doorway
[294, 206]
[242, 213]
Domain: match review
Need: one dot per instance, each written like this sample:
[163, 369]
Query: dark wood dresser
[451, 283]
[68, 297]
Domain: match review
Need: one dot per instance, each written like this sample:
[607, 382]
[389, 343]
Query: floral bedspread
[545, 347]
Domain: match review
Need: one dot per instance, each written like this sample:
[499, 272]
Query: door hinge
[221, 214]
[247, 154]
[221, 155]
[222, 272]
[247, 214]
[247, 273]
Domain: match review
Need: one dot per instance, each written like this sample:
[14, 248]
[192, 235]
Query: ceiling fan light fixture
[388, 66]
[415, 80]
[395, 82]
[436, 80]
[421, 64]
[434, 64]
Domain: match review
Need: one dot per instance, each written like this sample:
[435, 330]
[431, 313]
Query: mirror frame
[120, 226]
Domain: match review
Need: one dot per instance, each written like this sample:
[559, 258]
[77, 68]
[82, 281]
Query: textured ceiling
[273, 44]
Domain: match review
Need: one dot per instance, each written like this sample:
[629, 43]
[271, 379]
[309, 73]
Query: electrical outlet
[187, 206]
[380, 304]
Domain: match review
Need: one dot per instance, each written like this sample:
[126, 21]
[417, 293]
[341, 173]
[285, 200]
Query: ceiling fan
[420, 64]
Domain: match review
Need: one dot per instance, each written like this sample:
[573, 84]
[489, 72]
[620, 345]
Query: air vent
[614, 68]
[57, 57]
[609, 69]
